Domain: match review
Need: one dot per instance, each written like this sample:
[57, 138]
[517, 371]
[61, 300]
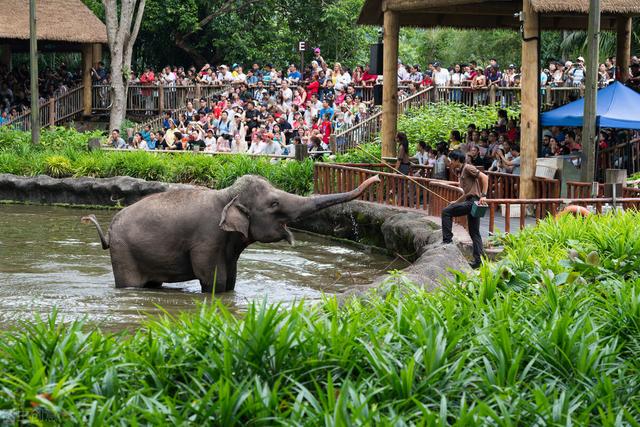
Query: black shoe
[475, 265]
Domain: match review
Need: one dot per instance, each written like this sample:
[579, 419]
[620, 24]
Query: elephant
[188, 234]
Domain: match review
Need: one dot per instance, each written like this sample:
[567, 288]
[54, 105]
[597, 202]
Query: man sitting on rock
[475, 185]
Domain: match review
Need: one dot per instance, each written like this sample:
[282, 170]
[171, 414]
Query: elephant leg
[126, 274]
[232, 270]
[211, 275]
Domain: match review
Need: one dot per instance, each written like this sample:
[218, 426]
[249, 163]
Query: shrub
[434, 122]
[58, 166]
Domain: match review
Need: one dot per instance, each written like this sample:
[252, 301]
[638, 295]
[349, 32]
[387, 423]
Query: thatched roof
[57, 21]
[614, 7]
[554, 14]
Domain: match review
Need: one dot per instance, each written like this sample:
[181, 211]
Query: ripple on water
[48, 261]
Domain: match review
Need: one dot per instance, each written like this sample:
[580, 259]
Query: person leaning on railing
[475, 185]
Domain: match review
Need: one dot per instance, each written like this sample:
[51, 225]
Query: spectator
[115, 140]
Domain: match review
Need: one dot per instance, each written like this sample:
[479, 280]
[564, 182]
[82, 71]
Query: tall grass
[546, 336]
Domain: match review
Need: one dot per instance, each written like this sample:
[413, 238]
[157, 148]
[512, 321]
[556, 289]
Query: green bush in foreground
[547, 336]
[58, 159]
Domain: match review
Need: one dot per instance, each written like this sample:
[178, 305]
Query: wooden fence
[53, 111]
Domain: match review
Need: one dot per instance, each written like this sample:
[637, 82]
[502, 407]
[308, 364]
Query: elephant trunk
[310, 205]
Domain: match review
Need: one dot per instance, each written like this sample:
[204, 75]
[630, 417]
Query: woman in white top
[239, 144]
[422, 153]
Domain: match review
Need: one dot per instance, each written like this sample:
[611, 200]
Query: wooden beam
[87, 63]
[589, 118]
[530, 101]
[623, 48]
[96, 54]
[390, 83]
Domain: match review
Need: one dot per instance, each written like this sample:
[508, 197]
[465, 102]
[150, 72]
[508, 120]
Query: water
[48, 260]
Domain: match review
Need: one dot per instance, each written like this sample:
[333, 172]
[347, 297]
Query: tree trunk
[122, 34]
[119, 97]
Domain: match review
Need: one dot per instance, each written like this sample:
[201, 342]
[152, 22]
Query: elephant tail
[92, 219]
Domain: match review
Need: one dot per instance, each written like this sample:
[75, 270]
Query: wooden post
[588, 163]
[199, 92]
[87, 54]
[33, 71]
[96, 53]
[160, 99]
[492, 95]
[530, 100]
[390, 83]
[623, 46]
[52, 111]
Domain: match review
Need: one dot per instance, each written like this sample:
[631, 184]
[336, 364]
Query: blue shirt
[295, 75]
[146, 135]
[151, 144]
[324, 111]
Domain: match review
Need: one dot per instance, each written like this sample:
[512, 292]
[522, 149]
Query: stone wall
[410, 235]
[42, 189]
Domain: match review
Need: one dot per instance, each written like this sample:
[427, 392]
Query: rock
[410, 234]
[117, 191]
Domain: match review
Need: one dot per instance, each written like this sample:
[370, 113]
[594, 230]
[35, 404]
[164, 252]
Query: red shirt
[313, 87]
[366, 77]
[325, 128]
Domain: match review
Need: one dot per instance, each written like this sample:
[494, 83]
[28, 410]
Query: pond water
[48, 260]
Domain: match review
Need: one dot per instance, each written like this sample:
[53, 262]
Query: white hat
[580, 59]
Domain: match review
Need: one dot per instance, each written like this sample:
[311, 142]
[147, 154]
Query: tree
[122, 32]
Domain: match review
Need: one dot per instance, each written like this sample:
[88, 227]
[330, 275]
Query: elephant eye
[275, 204]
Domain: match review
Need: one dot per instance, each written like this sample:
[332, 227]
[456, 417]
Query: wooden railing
[53, 111]
[364, 131]
[394, 189]
[154, 99]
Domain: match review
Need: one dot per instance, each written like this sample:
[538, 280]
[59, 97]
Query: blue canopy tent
[618, 107]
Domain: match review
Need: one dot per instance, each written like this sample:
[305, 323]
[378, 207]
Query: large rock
[409, 234]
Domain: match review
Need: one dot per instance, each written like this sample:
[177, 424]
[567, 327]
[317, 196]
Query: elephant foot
[208, 288]
[153, 285]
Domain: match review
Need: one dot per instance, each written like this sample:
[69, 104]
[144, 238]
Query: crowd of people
[15, 91]
[272, 124]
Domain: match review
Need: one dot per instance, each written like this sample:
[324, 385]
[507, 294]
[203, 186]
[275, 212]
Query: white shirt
[343, 80]
[441, 78]
[239, 147]
[456, 79]
[287, 96]
[403, 74]
[210, 144]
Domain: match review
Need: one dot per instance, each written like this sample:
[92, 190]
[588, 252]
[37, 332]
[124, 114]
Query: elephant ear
[235, 217]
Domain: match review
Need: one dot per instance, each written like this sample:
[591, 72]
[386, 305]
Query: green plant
[434, 122]
[58, 166]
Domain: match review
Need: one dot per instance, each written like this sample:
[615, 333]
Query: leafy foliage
[544, 337]
[434, 122]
